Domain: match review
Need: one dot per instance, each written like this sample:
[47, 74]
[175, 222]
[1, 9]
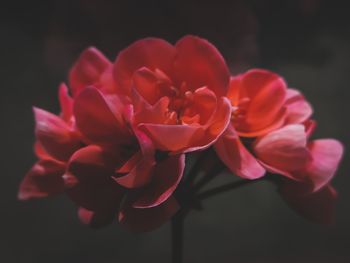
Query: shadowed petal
[318, 207]
[167, 176]
[147, 219]
[44, 179]
[298, 109]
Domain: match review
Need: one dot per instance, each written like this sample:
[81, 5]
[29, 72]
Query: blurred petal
[147, 219]
[167, 176]
[96, 219]
[284, 149]
[44, 179]
[55, 136]
[66, 103]
[298, 109]
[152, 53]
[236, 157]
[199, 63]
[318, 207]
[88, 70]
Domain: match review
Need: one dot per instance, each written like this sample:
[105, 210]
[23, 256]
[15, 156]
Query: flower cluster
[118, 147]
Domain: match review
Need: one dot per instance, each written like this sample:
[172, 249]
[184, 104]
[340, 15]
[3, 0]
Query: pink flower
[270, 131]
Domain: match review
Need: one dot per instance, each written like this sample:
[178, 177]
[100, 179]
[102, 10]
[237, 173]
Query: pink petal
[167, 176]
[97, 120]
[56, 137]
[198, 63]
[284, 149]
[152, 53]
[88, 70]
[298, 109]
[236, 157]
[44, 179]
[147, 219]
[172, 137]
[318, 207]
[326, 155]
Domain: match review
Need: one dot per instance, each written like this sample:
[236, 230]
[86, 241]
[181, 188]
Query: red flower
[176, 91]
[94, 154]
[274, 120]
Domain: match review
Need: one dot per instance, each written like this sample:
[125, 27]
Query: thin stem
[224, 188]
[177, 225]
[195, 169]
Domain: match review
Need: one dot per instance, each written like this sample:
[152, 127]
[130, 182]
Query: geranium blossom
[118, 147]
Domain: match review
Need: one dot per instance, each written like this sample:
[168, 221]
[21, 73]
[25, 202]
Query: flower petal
[66, 103]
[236, 157]
[284, 149]
[326, 155]
[152, 53]
[147, 219]
[167, 176]
[94, 189]
[318, 207]
[88, 70]
[55, 136]
[96, 219]
[97, 120]
[198, 63]
[141, 173]
[44, 179]
[298, 109]
[266, 92]
[172, 137]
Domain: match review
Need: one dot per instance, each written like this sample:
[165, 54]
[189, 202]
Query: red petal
[298, 109]
[56, 137]
[44, 179]
[318, 207]
[199, 63]
[266, 92]
[236, 157]
[152, 53]
[167, 176]
[173, 137]
[147, 219]
[88, 70]
[284, 149]
[95, 189]
[97, 120]
[141, 173]
[326, 155]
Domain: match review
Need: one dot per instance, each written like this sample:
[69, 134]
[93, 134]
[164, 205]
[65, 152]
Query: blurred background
[306, 41]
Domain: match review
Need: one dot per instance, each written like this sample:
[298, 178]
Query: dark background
[308, 42]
